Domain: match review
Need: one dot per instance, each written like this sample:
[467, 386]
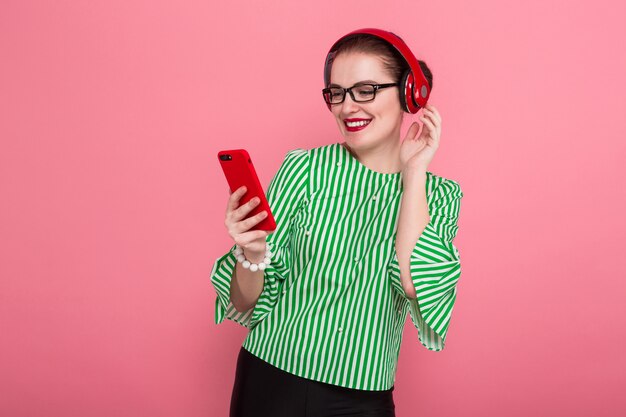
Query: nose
[349, 105]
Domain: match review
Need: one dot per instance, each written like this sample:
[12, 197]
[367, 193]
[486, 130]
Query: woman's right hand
[252, 242]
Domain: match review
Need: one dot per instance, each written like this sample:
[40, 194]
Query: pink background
[112, 200]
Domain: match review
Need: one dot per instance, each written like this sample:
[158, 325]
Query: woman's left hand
[418, 152]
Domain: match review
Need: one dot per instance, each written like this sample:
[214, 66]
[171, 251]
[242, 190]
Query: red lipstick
[356, 128]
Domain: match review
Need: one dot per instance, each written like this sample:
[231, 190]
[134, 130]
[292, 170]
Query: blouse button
[356, 259]
[338, 164]
[284, 291]
[374, 197]
[308, 232]
[340, 330]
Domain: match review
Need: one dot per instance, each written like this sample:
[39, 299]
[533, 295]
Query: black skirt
[263, 390]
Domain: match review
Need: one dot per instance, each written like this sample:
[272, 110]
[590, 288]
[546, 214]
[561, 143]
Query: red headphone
[416, 89]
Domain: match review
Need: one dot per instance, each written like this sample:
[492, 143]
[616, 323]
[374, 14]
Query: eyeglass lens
[361, 93]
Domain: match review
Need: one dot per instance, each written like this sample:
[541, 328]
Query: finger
[432, 117]
[429, 125]
[233, 200]
[250, 222]
[434, 110]
[244, 209]
[436, 115]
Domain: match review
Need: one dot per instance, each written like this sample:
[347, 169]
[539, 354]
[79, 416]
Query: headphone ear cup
[404, 84]
[409, 104]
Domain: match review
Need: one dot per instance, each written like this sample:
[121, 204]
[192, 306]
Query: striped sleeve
[435, 268]
[285, 195]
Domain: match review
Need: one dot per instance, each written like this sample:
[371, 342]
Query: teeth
[355, 124]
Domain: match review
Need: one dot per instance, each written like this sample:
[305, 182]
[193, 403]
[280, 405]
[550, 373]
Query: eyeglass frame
[349, 90]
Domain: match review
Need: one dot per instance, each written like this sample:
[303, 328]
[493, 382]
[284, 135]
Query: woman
[326, 294]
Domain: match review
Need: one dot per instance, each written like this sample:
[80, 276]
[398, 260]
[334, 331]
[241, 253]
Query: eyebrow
[360, 82]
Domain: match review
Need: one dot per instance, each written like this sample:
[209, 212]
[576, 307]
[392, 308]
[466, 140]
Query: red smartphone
[239, 171]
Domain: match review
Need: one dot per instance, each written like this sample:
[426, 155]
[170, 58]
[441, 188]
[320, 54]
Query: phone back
[239, 171]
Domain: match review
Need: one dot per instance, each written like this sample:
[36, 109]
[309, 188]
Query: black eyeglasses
[361, 93]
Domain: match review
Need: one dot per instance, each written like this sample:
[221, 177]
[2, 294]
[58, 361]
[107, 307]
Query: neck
[384, 159]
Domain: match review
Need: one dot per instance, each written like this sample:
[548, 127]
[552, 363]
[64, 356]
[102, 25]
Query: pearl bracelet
[252, 266]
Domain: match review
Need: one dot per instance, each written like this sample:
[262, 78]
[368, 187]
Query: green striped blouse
[333, 307]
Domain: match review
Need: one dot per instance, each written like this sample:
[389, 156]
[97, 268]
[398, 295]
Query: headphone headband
[413, 82]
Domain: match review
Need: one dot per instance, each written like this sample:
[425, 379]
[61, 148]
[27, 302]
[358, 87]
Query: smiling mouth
[356, 125]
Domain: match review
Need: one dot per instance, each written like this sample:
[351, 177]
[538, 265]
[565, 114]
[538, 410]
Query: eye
[365, 91]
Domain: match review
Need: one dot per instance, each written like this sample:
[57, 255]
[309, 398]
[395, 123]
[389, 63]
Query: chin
[356, 140]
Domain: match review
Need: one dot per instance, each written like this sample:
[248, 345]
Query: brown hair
[392, 60]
